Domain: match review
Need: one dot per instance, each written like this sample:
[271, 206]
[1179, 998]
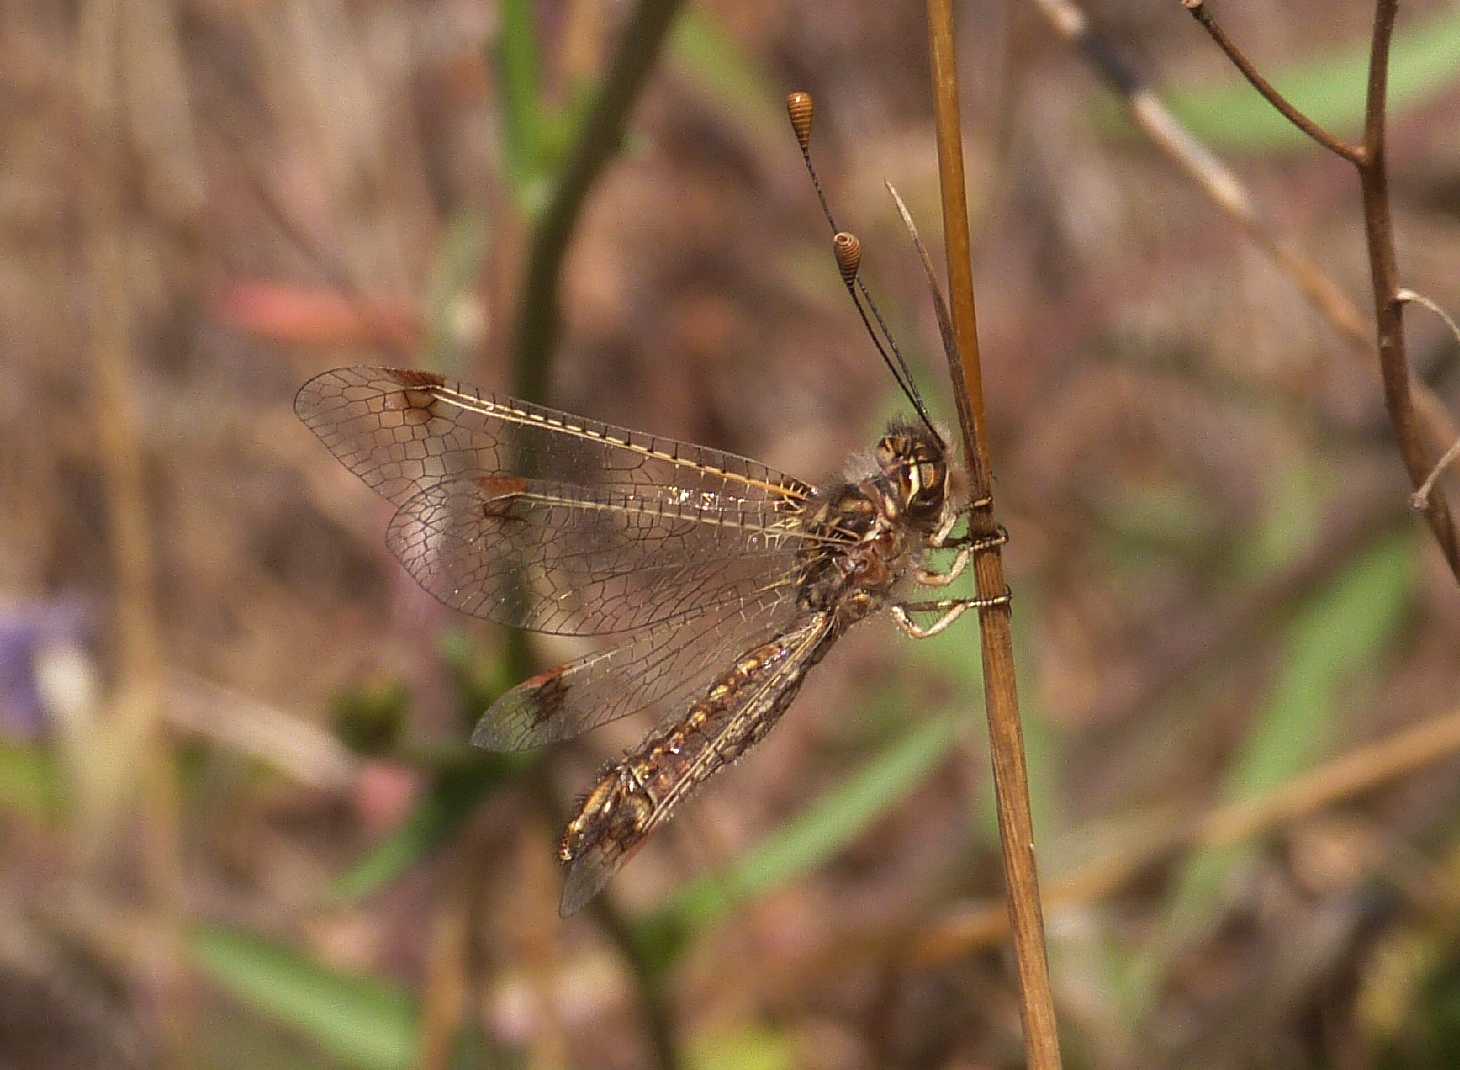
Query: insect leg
[951, 608]
[940, 537]
[932, 578]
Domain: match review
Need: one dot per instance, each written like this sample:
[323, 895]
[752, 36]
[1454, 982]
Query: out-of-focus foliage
[370, 1024]
[1218, 587]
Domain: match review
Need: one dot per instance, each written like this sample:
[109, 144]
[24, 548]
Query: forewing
[404, 431]
[592, 869]
[575, 560]
[658, 671]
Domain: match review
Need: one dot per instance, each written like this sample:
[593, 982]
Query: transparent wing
[403, 432]
[658, 671]
[566, 559]
[748, 723]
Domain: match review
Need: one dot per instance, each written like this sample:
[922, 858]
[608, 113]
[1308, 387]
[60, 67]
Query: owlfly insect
[720, 581]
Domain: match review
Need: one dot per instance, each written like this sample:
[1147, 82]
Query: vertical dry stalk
[1228, 192]
[1371, 163]
[1006, 737]
[132, 745]
[1388, 306]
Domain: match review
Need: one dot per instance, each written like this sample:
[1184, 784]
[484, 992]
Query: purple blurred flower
[26, 631]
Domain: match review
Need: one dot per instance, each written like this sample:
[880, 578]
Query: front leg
[933, 578]
[951, 608]
[939, 538]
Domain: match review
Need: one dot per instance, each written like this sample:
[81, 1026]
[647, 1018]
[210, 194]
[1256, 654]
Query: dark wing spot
[409, 377]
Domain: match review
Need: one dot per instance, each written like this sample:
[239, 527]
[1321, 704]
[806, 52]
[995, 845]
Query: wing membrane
[405, 431]
[574, 560]
[657, 671]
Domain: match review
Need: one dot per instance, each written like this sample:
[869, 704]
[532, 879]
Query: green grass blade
[452, 798]
[745, 94]
[1329, 648]
[360, 1020]
[29, 780]
[520, 86]
[819, 832]
[743, 1048]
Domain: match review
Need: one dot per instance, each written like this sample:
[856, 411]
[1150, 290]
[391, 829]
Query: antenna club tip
[802, 109]
[848, 249]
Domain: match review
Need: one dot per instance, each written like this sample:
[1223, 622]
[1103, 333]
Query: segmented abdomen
[636, 794]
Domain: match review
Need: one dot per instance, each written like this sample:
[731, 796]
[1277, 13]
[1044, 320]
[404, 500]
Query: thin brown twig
[1388, 307]
[1419, 418]
[133, 752]
[1341, 779]
[1353, 153]
[1412, 416]
[1153, 838]
[1229, 193]
[1006, 738]
[1420, 498]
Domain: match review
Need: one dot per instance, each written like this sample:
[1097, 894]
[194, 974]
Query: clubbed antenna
[848, 251]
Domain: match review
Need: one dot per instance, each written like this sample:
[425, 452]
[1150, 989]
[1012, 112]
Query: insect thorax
[874, 525]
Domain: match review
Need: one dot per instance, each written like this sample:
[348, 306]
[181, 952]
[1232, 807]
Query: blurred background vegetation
[239, 820]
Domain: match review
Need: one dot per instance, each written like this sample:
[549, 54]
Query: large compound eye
[929, 483]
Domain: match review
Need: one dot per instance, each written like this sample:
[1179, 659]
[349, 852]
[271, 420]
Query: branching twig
[1372, 165]
[1388, 308]
[1230, 194]
[1352, 153]
[1006, 737]
[1420, 498]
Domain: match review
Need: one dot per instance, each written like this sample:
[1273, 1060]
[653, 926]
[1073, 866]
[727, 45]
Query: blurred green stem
[536, 334]
[540, 321]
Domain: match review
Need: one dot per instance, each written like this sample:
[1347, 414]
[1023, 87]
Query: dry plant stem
[1349, 152]
[1227, 191]
[1006, 738]
[653, 1003]
[453, 969]
[447, 983]
[1388, 308]
[540, 320]
[1370, 161]
[1336, 781]
[131, 745]
[1420, 498]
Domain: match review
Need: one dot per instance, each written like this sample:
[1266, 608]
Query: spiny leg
[951, 608]
[932, 578]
